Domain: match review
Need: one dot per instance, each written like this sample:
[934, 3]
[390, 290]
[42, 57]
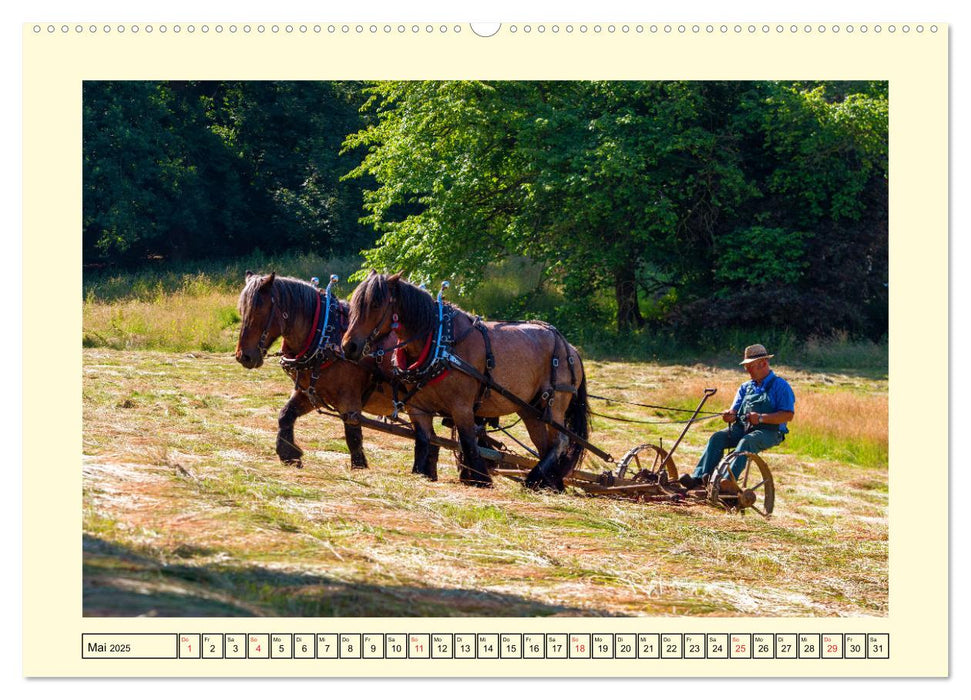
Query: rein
[648, 405]
[654, 422]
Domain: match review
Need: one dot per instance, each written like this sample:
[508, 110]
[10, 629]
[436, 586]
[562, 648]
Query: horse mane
[417, 310]
[292, 294]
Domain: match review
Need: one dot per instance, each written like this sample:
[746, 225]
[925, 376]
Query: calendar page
[605, 349]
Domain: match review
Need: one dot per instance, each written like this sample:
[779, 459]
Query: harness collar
[432, 365]
[318, 347]
[314, 330]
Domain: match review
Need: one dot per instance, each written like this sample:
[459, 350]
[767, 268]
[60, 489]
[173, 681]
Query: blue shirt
[779, 391]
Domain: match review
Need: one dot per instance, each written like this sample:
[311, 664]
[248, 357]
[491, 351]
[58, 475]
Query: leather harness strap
[464, 367]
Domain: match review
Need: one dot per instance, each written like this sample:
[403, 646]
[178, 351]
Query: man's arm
[783, 399]
[730, 415]
[776, 418]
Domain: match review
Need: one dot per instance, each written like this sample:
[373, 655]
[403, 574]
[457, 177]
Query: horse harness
[322, 348]
[434, 364]
[262, 345]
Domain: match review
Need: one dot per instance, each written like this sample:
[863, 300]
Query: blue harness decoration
[431, 366]
[325, 351]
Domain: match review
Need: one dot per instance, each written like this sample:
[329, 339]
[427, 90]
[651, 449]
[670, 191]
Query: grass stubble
[187, 510]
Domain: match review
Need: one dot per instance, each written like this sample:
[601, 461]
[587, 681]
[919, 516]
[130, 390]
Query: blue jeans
[735, 437]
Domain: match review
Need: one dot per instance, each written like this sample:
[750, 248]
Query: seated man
[757, 418]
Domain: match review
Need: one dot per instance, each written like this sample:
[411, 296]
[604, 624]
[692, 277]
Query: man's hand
[754, 418]
[729, 416]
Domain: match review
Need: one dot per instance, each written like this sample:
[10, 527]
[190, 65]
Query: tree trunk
[628, 311]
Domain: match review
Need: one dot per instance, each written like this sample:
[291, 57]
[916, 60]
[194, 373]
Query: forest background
[646, 219]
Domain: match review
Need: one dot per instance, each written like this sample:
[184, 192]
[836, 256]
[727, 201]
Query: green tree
[289, 136]
[602, 181]
[809, 252]
[191, 169]
[711, 192]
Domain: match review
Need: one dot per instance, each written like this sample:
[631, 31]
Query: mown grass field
[187, 510]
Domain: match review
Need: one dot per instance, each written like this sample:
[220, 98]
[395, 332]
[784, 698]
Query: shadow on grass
[120, 582]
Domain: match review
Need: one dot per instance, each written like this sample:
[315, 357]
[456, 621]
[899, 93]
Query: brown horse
[530, 360]
[272, 306]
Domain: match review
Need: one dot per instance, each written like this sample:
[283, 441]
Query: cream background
[54, 66]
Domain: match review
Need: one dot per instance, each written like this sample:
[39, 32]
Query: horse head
[261, 324]
[372, 313]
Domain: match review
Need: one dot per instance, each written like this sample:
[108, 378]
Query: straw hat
[753, 353]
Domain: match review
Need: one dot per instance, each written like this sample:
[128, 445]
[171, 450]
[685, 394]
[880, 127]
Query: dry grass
[187, 511]
[180, 322]
[837, 417]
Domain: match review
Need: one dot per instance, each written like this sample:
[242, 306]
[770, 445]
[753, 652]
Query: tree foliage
[195, 169]
[771, 194]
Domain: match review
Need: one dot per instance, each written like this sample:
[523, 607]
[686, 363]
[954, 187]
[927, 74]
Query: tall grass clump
[841, 426]
[187, 307]
[839, 351]
[203, 278]
[177, 322]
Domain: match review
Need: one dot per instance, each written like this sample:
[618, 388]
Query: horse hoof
[544, 482]
[358, 466]
[477, 479]
[477, 483]
[289, 454]
[298, 463]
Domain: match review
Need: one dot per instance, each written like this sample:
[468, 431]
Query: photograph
[485, 348]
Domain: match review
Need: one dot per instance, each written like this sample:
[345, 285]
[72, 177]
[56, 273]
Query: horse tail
[577, 419]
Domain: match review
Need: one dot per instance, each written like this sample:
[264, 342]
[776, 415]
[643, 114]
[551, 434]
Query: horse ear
[394, 279]
[249, 273]
[268, 280]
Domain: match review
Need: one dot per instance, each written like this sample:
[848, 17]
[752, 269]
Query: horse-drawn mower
[646, 473]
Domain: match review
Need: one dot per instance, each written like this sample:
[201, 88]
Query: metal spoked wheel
[643, 463]
[754, 487]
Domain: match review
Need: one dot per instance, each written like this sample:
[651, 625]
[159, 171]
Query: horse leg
[431, 465]
[474, 471]
[288, 452]
[539, 434]
[424, 464]
[354, 437]
[551, 444]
